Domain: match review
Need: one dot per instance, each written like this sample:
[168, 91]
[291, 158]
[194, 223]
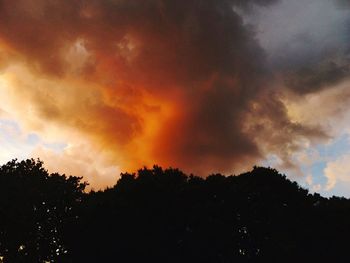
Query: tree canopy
[164, 215]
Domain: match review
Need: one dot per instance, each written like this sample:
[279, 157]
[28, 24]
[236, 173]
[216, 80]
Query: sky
[94, 88]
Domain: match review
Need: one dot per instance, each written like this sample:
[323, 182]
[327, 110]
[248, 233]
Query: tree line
[164, 215]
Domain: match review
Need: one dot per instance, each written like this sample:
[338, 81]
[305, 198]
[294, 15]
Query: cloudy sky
[96, 87]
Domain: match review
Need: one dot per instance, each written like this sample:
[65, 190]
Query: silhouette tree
[164, 216]
[159, 215]
[35, 207]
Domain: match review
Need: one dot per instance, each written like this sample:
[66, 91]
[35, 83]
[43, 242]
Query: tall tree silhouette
[35, 208]
[162, 215]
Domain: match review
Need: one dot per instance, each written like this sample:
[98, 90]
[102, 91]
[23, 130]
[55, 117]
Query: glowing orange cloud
[167, 82]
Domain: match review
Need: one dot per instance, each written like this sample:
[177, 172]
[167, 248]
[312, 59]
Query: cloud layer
[181, 83]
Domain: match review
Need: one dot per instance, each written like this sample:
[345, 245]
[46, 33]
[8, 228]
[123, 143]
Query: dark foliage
[35, 210]
[166, 216]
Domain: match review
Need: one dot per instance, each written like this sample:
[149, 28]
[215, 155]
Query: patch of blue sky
[326, 153]
[33, 139]
[271, 161]
[330, 152]
[337, 147]
[317, 171]
[12, 142]
[9, 128]
[323, 153]
[57, 147]
[15, 143]
[340, 190]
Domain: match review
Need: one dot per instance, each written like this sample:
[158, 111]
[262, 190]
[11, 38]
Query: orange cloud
[167, 82]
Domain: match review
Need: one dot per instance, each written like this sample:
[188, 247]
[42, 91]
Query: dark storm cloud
[197, 56]
[318, 77]
[343, 3]
[307, 42]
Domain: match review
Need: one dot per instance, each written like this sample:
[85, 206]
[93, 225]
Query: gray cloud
[317, 77]
[200, 56]
[306, 42]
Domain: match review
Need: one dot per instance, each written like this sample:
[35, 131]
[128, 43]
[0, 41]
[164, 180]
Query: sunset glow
[94, 88]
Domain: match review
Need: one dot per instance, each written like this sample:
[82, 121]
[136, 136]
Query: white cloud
[294, 30]
[14, 143]
[80, 159]
[338, 171]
